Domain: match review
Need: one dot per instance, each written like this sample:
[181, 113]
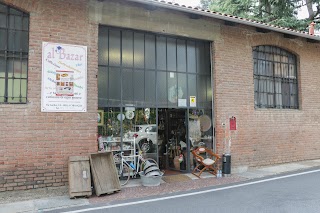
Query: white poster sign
[64, 78]
[182, 102]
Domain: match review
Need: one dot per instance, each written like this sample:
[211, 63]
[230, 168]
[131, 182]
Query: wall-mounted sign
[64, 78]
[182, 102]
[233, 123]
[193, 101]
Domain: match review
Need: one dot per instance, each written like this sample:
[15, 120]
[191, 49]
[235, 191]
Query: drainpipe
[311, 28]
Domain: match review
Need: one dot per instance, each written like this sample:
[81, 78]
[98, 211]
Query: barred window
[275, 78]
[14, 44]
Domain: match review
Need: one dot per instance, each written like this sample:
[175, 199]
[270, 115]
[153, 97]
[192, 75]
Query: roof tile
[244, 20]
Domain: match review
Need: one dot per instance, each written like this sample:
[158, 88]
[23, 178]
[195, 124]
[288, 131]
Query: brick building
[264, 76]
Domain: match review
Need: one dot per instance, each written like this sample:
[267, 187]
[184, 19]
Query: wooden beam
[312, 41]
[150, 7]
[230, 23]
[260, 30]
[289, 36]
[194, 16]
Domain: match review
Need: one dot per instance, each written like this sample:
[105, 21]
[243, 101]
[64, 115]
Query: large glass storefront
[155, 95]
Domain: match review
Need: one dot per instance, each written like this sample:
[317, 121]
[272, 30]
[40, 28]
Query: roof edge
[225, 17]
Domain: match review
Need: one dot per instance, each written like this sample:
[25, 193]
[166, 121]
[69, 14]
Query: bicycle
[129, 167]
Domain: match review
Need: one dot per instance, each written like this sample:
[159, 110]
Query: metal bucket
[150, 180]
[148, 164]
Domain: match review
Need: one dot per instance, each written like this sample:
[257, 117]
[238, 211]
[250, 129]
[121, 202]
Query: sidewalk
[40, 200]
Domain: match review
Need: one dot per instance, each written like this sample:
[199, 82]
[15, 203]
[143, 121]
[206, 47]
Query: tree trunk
[310, 10]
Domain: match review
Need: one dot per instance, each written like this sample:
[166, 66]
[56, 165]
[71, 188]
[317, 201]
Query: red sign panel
[233, 123]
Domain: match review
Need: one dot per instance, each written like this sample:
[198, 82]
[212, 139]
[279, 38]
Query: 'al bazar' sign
[64, 78]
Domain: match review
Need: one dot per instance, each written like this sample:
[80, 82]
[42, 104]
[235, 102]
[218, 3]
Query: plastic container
[150, 180]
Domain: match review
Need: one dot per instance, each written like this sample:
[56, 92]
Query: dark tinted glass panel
[162, 89]
[202, 90]
[138, 50]
[173, 91]
[25, 23]
[11, 40]
[182, 86]
[2, 67]
[10, 65]
[192, 86]
[172, 54]
[181, 55]
[150, 52]
[3, 39]
[127, 49]
[24, 41]
[191, 56]
[206, 67]
[127, 85]
[103, 86]
[2, 89]
[138, 83]
[15, 12]
[200, 57]
[209, 89]
[103, 46]
[114, 48]
[18, 22]
[11, 22]
[161, 53]
[3, 8]
[114, 86]
[150, 89]
[3, 20]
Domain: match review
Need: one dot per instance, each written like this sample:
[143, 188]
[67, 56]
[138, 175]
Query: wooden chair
[205, 158]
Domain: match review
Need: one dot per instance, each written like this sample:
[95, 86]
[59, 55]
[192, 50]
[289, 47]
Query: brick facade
[265, 136]
[35, 146]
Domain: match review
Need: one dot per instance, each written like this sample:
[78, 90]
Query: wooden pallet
[79, 177]
[104, 173]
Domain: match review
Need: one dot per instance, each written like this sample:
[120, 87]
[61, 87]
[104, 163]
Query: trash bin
[226, 165]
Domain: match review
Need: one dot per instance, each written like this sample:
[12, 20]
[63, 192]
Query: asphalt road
[294, 192]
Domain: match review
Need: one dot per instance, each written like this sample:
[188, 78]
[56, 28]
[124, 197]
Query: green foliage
[277, 12]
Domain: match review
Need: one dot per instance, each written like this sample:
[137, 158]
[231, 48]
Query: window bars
[14, 47]
[275, 78]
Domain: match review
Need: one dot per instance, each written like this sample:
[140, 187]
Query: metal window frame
[156, 70]
[8, 54]
[275, 51]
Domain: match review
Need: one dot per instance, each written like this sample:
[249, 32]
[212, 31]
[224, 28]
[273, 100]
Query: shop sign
[64, 78]
[193, 101]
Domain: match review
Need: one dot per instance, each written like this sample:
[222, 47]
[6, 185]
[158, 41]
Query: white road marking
[191, 194]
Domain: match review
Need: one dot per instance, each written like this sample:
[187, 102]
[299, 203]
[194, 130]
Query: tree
[277, 12]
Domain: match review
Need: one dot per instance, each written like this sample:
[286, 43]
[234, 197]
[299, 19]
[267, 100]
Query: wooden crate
[104, 173]
[79, 176]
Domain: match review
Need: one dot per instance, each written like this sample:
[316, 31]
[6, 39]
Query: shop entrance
[153, 93]
[172, 140]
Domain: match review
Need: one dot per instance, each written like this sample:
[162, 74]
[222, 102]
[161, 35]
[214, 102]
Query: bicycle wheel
[125, 176]
[151, 160]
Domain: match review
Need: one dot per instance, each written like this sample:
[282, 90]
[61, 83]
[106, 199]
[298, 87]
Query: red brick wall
[265, 136]
[35, 146]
